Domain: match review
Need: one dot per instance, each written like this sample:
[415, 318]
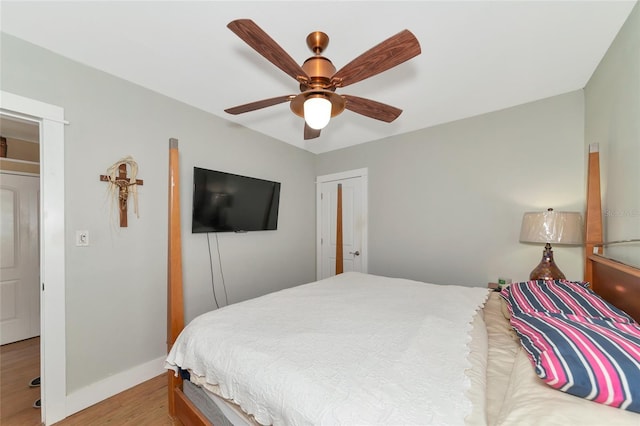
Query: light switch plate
[82, 238]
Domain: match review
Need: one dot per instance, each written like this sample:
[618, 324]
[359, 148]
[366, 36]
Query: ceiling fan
[317, 101]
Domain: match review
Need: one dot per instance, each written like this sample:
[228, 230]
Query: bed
[364, 349]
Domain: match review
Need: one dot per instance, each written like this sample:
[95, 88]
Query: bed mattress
[365, 349]
[503, 387]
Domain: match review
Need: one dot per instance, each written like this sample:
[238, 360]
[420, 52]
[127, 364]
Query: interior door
[19, 259]
[353, 225]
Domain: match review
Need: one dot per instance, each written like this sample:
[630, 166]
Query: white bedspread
[351, 349]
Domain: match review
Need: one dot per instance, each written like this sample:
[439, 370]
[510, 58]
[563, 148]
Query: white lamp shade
[551, 227]
[317, 112]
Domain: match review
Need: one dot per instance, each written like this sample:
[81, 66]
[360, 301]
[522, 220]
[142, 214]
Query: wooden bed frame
[614, 281]
[180, 407]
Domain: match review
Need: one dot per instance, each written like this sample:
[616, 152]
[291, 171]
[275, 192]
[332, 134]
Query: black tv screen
[225, 202]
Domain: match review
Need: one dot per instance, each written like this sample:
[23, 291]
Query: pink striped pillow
[593, 358]
[560, 296]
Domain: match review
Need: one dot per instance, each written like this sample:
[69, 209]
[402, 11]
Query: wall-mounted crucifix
[125, 186]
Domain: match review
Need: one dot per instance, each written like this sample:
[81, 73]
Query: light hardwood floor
[19, 364]
[142, 405]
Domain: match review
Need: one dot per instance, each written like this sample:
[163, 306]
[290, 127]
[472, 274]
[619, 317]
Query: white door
[19, 258]
[354, 222]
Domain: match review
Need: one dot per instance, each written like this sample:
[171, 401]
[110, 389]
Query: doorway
[354, 221]
[20, 270]
[19, 232]
[49, 120]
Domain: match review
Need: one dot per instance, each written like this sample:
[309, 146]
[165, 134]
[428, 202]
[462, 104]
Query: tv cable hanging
[213, 286]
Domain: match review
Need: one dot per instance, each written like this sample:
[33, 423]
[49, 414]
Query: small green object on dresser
[503, 282]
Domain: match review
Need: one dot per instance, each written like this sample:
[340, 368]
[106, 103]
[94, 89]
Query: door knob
[355, 253]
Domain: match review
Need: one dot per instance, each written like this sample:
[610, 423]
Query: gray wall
[612, 110]
[446, 203]
[116, 287]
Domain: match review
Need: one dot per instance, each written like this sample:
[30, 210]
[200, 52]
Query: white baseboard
[106, 388]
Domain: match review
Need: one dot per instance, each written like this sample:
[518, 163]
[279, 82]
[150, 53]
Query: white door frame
[357, 173]
[50, 119]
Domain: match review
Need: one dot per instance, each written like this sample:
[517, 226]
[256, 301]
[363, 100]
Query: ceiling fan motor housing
[319, 69]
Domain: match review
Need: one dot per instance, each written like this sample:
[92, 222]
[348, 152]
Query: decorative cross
[123, 183]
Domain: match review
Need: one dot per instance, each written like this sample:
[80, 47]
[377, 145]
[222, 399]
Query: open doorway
[49, 119]
[20, 270]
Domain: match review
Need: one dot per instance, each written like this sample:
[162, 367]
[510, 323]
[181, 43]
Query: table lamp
[550, 227]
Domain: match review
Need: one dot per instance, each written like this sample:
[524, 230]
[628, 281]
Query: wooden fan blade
[372, 109]
[310, 133]
[260, 41]
[391, 52]
[252, 106]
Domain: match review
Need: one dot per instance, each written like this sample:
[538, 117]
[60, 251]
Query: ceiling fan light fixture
[318, 79]
[317, 111]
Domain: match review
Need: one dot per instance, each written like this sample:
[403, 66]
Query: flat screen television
[225, 202]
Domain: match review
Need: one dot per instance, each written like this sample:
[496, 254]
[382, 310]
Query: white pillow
[531, 402]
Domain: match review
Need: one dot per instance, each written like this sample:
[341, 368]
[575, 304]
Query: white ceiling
[477, 56]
